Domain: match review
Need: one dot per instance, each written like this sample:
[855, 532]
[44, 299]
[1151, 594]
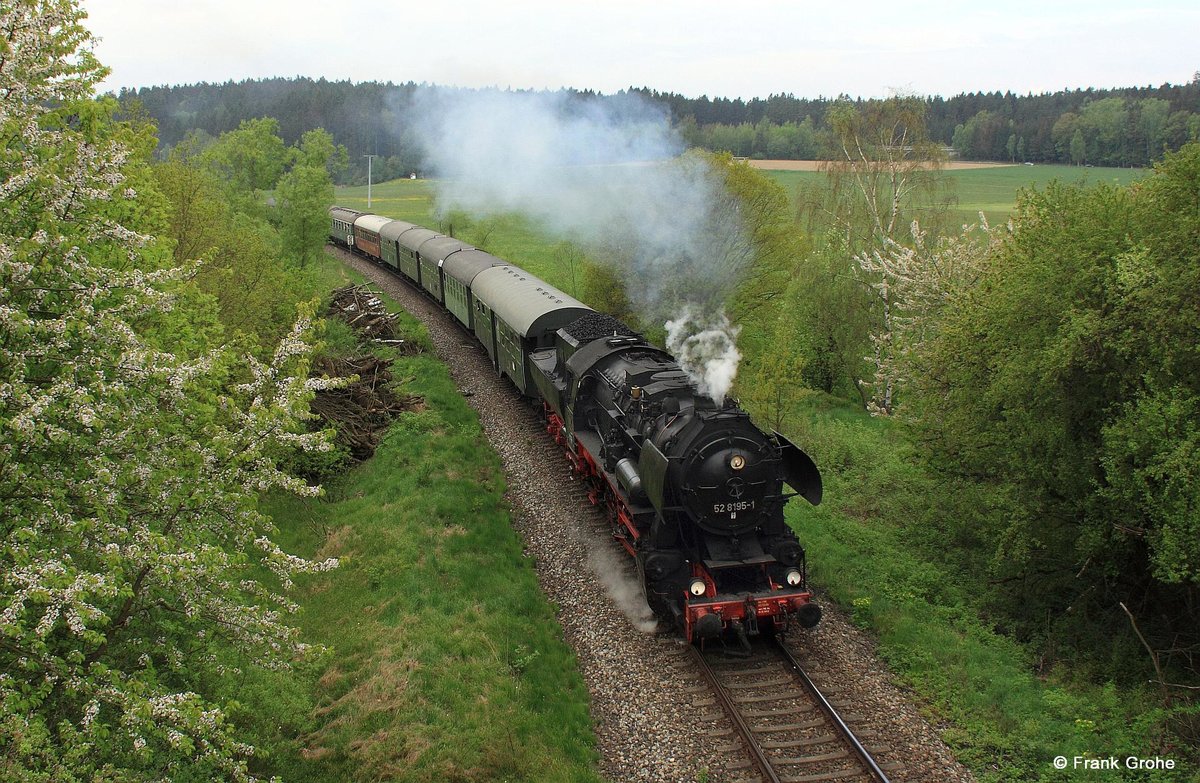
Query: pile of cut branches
[362, 308]
[362, 410]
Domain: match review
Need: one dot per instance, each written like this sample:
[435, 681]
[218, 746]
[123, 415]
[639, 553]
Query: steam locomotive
[693, 489]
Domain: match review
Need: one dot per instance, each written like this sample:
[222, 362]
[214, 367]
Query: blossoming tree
[130, 467]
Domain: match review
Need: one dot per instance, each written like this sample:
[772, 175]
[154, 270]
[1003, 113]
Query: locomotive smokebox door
[799, 471]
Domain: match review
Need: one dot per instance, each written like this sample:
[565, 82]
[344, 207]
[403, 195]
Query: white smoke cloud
[706, 347]
[606, 173]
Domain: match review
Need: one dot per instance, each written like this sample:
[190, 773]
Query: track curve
[643, 685]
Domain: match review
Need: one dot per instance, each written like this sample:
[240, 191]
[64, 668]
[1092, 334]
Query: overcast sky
[693, 47]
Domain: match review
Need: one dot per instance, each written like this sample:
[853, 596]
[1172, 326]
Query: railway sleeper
[816, 759]
[808, 724]
[799, 743]
[741, 670]
[735, 686]
[770, 697]
[837, 774]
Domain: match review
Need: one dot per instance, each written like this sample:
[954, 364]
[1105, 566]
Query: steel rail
[863, 755]
[758, 755]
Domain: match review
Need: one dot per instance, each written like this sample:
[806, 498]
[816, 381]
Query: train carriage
[520, 313]
[389, 237]
[431, 255]
[458, 272]
[366, 233]
[341, 225]
[408, 245]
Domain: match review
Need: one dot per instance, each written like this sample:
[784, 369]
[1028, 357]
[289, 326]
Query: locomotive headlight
[794, 578]
[697, 587]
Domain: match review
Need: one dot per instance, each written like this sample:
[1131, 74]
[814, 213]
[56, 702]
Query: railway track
[646, 740]
[792, 731]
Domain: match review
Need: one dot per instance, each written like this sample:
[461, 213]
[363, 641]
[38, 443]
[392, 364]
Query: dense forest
[1110, 127]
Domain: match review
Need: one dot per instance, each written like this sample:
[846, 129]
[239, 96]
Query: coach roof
[463, 266]
[438, 248]
[372, 223]
[415, 238]
[526, 303]
[348, 215]
[394, 229]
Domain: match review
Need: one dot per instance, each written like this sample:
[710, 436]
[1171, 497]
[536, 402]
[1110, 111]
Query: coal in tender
[594, 326]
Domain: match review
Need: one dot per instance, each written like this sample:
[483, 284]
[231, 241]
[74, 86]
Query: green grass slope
[445, 660]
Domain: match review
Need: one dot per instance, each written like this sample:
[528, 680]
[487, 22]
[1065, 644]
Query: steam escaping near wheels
[622, 586]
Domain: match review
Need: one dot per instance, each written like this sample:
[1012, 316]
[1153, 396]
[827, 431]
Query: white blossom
[124, 493]
[913, 283]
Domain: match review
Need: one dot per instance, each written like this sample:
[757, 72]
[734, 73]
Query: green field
[991, 190]
[402, 199]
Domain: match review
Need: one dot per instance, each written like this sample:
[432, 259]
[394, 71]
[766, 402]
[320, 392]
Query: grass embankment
[880, 546]
[883, 546]
[445, 660]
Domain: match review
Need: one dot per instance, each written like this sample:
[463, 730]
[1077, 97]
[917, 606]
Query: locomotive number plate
[733, 508]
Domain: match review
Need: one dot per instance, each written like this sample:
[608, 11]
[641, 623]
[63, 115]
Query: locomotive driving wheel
[656, 601]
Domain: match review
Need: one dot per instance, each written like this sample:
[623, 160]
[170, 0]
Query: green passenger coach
[524, 313]
[389, 245]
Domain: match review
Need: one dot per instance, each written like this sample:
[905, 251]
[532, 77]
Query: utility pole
[368, 157]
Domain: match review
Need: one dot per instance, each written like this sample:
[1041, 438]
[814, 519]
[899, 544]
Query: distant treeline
[1118, 127]
[1114, 127]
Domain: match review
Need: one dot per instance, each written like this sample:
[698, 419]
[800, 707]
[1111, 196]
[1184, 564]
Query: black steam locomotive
[694, 490]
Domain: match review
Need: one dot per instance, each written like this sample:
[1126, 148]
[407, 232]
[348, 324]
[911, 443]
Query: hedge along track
[792, 732]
